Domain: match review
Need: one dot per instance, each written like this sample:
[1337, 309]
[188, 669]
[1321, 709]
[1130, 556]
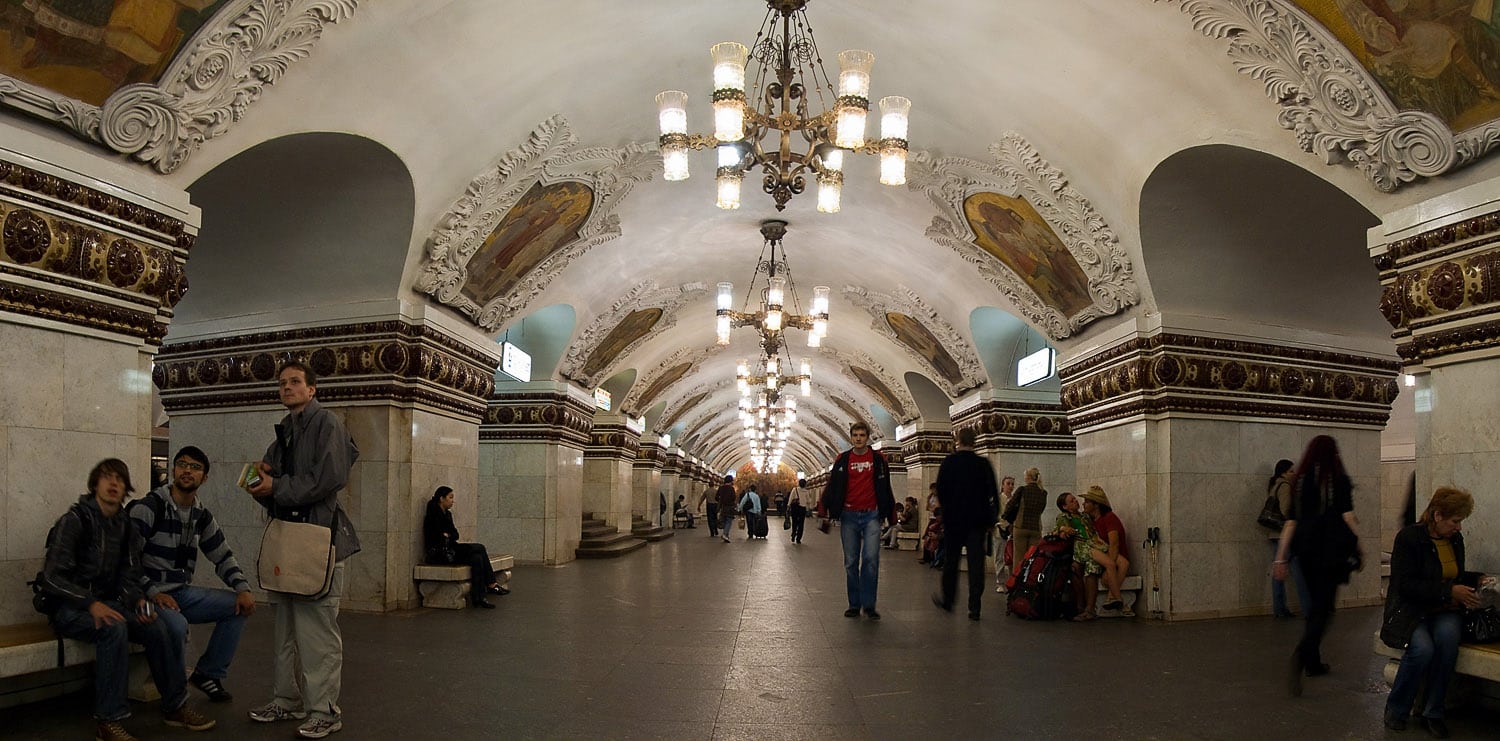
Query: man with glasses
[176, 526]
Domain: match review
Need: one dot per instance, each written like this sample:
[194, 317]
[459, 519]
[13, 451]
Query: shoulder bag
[296, 558]
[1481, 626]
[1270, 514]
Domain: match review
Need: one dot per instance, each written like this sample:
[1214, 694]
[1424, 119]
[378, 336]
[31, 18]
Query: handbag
[296, 558]
[1481, 626]
[1270, 514]
[1399, 623]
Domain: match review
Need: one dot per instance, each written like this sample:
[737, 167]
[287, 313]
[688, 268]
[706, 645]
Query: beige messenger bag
[296, 558]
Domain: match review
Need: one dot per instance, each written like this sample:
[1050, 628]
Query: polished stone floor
[693, 638]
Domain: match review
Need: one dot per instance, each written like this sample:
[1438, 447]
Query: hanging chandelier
[772, 318]
[786, 69]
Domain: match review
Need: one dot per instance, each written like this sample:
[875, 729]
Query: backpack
[41, 600]
[1041, 588]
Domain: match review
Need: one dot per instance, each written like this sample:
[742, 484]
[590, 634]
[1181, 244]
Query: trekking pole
[1153, 548]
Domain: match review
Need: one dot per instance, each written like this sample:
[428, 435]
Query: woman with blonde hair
[1424, 605]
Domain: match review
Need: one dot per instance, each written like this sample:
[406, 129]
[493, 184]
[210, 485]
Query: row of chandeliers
[786, 70]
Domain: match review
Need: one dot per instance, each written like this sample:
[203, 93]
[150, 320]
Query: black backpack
[41, 600]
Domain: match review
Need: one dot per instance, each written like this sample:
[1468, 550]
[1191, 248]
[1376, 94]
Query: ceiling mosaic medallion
[1015, 234]
[634, 326]
[661, 383]
[882, 392]
[544, 220]
[911, 332]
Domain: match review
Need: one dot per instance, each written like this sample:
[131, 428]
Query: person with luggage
[725, 497]
[1023, 515]
[750, 506]
[797, 511]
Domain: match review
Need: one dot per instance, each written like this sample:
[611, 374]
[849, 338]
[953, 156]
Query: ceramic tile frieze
[539, 416]
[1001, 425]
[1441, 290]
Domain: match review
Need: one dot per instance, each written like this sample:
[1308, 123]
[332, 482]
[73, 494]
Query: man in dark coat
[966, 487]
[859, 494]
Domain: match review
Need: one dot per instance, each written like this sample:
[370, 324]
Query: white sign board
[514, 362]
[601, 399]
[1034, 367]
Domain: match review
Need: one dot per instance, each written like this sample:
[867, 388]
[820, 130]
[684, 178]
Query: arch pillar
[1181, 426]
[646, 474]
[614, 441]
[1017, 430]
[1439, 265]
[531, 449]
[924, 445]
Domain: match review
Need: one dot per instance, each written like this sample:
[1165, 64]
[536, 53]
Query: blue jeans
[199, 605]
[1278, 588]
[1431, 655]
[860, 532]
[112, 658]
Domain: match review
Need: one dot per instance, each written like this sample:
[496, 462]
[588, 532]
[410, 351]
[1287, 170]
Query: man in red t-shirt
[859, 494]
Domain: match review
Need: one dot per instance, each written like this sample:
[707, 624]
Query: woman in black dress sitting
[440, 539]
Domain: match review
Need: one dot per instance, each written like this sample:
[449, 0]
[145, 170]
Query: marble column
[531, 459]
[1440, 267]
[924, 445]
[1017, 430]
[608, 462]
[1181, 429]
[671, 469]
[410, 391]
[646, 474]
[89, 272]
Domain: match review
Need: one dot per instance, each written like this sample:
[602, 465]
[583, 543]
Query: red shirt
[1111, 523]
[861, 492]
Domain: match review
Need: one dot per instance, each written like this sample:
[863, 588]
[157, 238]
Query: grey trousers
[309, 664]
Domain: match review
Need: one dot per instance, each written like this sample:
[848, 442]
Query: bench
[906, 541]
[447, 587]
[681, 520]
[29, 669]
[1130, 592]
[1477, 660]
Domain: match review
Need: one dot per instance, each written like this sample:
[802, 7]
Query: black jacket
[838, 487]
[93, 557]
[1417, 587]
[439, 534]
[967, 490]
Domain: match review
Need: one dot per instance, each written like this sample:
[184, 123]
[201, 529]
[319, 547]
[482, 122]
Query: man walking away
[966, 487]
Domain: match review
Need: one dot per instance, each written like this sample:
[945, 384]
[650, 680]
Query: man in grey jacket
[300, 479]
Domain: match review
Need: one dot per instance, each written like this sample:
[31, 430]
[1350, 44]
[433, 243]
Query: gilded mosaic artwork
[88, 49]
[1012, 231]
[546, 219]
[1439, 56]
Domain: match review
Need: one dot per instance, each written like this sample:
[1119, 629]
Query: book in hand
[249, 476]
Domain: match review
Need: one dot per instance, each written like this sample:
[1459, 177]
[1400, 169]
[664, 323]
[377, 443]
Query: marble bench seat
[1130, 592]
[908, 541]
[447, 587]
[1478, 660]
[29, 668]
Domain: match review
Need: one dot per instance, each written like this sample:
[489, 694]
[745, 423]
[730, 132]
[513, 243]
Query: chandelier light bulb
[850, 128]
[721, 329]
[806, 387]
[894, 114]
[806, 369]
[773, 365]
[674, 163]
[814, 339]
[729, 90]
[776, 292]
[830, 192]
[773, 320]
[729, 190]
[854, 72]
[820, 301]
[892, 166]
[725, 301]
[671, 111]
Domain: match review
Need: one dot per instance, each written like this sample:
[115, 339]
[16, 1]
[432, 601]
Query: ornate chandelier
[772, 319]
[786, 69]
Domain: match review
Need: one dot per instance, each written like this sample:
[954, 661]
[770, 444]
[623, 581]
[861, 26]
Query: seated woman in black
[440, 539]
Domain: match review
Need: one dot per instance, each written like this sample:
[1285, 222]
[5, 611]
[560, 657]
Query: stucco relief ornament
[645, 295]
[229, 62]
[1329, 100]
[860, 359]
[676, 408]
[908, 302]
[691, 355]
[1019, 171]
[547, 157]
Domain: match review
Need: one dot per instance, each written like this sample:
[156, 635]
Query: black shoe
[1114, 605]
[937, 599]
[1318, 669]
[482, 602]
[1294, 676]
[974, 615]
[211, 687]
[851, 612]
[871, 613]
[1435, 727]
[1394, 722]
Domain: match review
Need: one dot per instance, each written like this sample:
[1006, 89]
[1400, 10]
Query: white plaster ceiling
[1105, 90]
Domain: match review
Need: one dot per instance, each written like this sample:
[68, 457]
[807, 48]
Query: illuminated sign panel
[1035, 367]
[601, 399]
[514, 362]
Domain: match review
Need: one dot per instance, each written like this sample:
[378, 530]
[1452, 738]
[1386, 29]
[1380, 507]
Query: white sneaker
[271, 712]
[319, 728]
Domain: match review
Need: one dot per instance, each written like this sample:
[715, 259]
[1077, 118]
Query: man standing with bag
[300, 479]
[971, 505]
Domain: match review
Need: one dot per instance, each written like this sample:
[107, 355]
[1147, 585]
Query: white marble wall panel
[1057, 469]
[645, 483]
[1458, 444]
[69, 401]
[538, 494]
[1395, 482]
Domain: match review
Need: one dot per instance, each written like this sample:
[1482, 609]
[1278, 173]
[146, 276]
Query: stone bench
[29, 669]
[447, 587]
[1477, 660]
[906, 541]
[1130, 592]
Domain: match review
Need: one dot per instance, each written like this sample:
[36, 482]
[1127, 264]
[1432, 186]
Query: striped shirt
[173, 542]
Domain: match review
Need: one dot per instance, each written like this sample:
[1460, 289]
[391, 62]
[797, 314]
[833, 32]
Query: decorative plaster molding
[388, 360]
[1020, 171]
[1208, 376]
[676, 408]
[645, 295]
[548, 157]
[1333, 105]
[612, 441]
[1442, 291]
[241, 50]
[550, 416]
[857, 358]
[927, 447]
[632, 404]
[910, 303]
[1002, 425]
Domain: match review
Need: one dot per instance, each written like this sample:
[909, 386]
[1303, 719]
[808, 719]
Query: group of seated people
[1099, 549]
[906, 522]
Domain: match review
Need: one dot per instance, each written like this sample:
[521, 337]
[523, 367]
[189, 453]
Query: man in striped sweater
[176, 526]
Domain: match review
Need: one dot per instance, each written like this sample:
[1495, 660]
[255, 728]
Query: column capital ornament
[644, 295]
[927, 447]
[207, 87]
[1004, 425]
[1333, 105]
[613, 441]
[548, 157]
[1020, 171]
[1441, 291]
[389, 360]
[556, 417]
[1196, 376]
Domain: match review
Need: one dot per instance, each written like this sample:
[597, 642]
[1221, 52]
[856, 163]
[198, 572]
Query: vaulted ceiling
[1175, 147]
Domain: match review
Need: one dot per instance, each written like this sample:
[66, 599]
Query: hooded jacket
[93, 557]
